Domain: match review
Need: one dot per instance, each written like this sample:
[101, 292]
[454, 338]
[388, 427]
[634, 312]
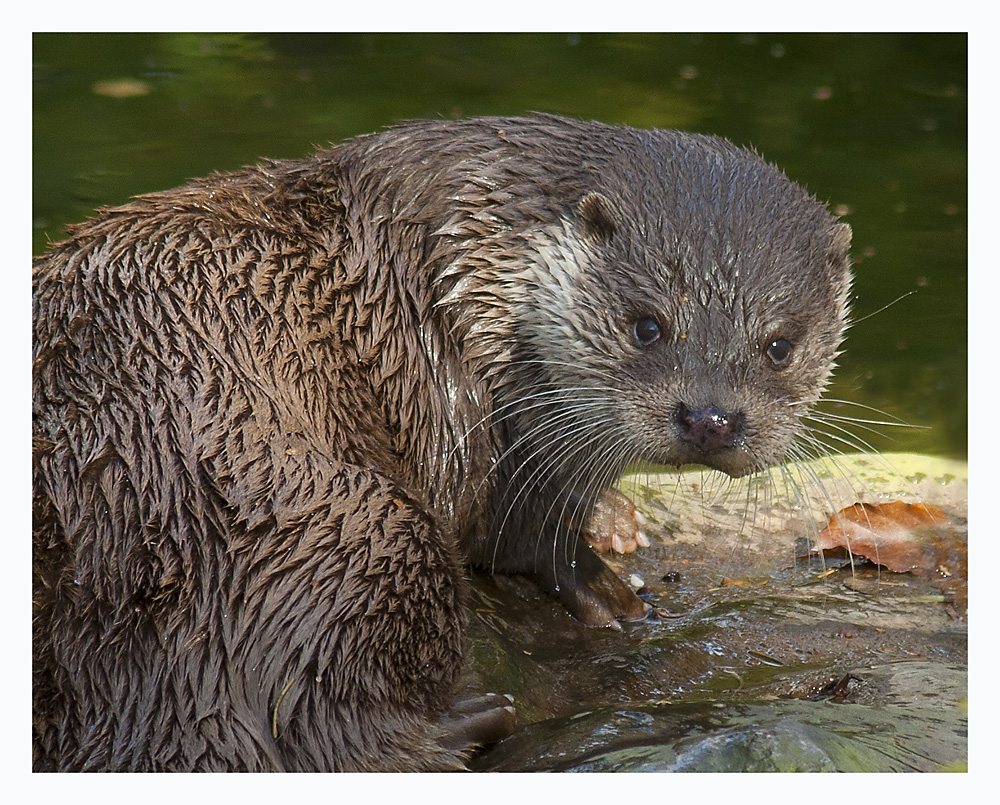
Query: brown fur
[275, 411]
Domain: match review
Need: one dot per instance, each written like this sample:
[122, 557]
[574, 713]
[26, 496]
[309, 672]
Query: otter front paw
[478, 719]
[592, 592]
[614, 525]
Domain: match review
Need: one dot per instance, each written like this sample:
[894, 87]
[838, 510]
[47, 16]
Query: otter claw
[614, 525]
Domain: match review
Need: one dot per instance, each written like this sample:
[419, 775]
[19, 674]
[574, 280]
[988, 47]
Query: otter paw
[478, 719]
[615, 525]
[592, 592]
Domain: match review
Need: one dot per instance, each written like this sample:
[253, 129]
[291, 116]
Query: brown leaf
[905, 537]
[897, 535]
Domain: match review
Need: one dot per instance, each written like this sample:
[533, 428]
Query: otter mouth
[734, 463]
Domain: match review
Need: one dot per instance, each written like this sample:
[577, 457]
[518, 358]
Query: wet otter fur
[276, 411]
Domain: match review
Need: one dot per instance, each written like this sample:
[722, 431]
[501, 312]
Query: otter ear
[840, 243]
[595, 217]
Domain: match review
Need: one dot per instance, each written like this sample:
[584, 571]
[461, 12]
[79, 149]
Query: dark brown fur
[276, 410]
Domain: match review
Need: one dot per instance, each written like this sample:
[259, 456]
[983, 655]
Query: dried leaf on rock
[899, 536]
[904, 537]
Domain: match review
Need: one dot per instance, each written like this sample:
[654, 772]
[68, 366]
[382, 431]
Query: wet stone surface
[756, 657]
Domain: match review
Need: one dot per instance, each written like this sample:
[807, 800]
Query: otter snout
[710, 428]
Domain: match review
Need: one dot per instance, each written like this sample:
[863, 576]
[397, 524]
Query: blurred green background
[874, 124]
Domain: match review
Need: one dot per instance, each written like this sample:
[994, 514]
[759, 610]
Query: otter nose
[709, 428]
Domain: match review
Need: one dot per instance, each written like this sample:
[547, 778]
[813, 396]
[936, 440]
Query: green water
[874, 124]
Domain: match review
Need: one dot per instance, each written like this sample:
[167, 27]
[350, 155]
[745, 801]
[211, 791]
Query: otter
[277, 411]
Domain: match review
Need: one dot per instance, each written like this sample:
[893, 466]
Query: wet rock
[755, 657]
[920, 733]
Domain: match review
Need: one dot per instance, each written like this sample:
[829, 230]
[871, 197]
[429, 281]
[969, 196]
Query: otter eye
[646, 331]
[780, 353]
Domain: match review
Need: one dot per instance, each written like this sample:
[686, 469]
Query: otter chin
[277, 411]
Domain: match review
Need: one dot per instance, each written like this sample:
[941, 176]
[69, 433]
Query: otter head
[686, 310]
